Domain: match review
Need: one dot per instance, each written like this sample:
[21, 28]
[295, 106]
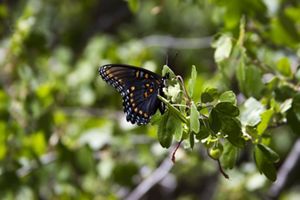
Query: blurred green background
[63, 134]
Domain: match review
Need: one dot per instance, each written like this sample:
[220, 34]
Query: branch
[152, 180]
[286, 172]
[177, 43]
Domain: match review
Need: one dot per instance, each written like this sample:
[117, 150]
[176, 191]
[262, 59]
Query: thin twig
[221, 169]
[184, 89]
[175, 150]
[286, 172]
[152, 180]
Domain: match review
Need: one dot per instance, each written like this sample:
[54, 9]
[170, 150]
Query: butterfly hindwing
[139, 89]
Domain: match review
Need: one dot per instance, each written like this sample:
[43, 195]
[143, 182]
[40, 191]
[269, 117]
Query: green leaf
[36, 142]
[293, 121]
[297, 74]
[3, 138]
[4, 101]
[263, 165]
[173, 110]
[204, 130]
[286, 105]
[251, 113]
[194, 119]
[223, 48]
[166, 130]
[296, 105]
[250, 80]
[284, 67]
[209, 95]
[232, 128]
[173, 92]
[228, 96]
[227, 108]
[271, 155]
[229, 155]
[167, 70]
[155, 119]
[273, 83]
[192, 82]
[134, 5]
[265, 119]
[178, 129]
[192, 140]
[284, 92]
[214, 121]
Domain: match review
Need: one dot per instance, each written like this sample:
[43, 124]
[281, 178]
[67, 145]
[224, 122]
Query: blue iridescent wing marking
[139, 89]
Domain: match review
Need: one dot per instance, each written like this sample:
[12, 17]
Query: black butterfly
[139, 89]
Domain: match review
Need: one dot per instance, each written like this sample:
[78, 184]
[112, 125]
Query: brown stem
[175, 150]
[184, 89]
[221, 169]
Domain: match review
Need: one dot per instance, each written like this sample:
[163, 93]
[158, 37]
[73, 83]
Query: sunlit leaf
[284, 67]
[228, 96]
[194, 119]
[167, 70]
[223, 48]
[172, 91]
[251, 114]
[192, 82]
[265, 119]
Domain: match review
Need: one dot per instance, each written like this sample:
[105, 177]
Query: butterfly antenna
[170, 60]
[167, 59]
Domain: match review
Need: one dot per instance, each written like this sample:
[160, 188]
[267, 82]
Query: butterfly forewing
[138, 87]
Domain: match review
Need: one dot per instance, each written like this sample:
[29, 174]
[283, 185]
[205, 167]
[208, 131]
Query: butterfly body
[139, 89]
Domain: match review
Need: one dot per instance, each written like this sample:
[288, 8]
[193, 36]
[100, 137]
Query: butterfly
[139, 89]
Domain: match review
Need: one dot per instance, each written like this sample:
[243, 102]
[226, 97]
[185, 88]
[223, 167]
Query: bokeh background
[63, 134]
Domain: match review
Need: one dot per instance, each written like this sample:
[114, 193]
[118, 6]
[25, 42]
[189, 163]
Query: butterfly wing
[139, 89]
